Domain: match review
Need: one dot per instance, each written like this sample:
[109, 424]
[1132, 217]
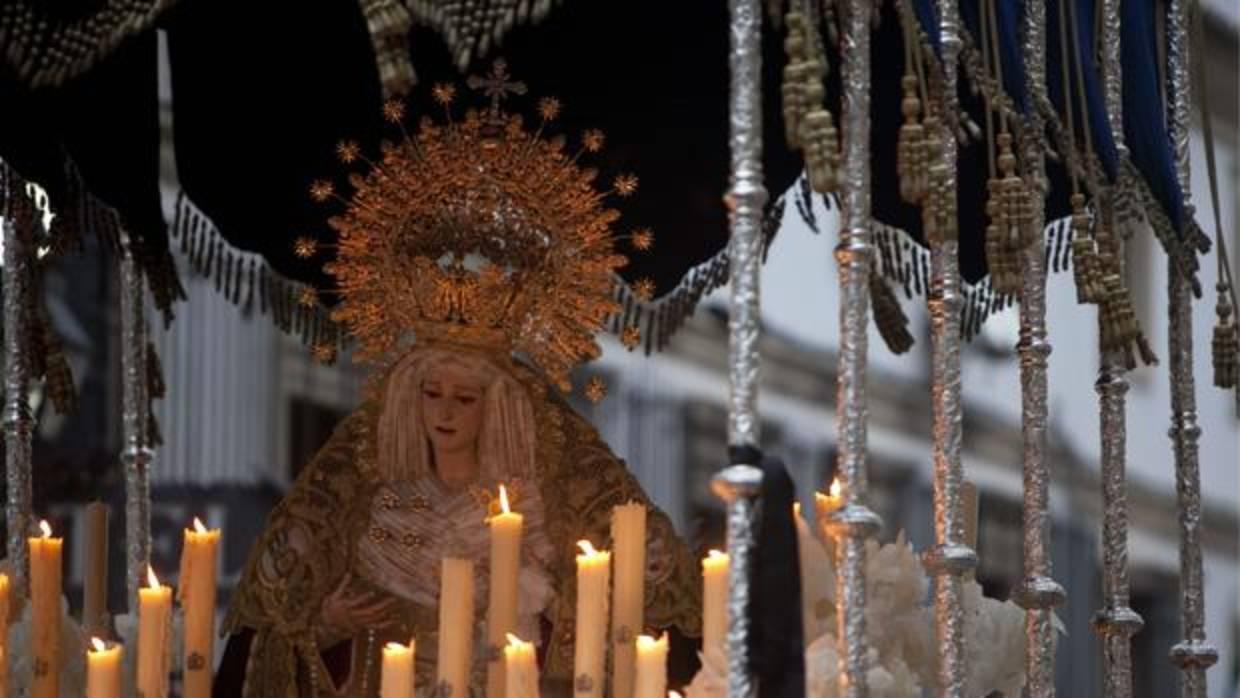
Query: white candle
[456, 625]
[816, 570]
[827, 504]
[197, 591]
[45, 587]
[505, 568]
[714, 600]
[154, 624]
[651, 673]
[398, 677]
[103, 669]
[590, 657]
[628, 534]
[520, 669]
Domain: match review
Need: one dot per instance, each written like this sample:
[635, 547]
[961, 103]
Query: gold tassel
[1002, 236]
[1225, 345]
[939, 206]
[793, 87]
[820, 140]
[911, 146]
[1085, 271]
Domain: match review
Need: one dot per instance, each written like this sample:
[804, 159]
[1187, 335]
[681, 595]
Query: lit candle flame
[835, 488]
[503, 499]
[151, 579]
[514, 641]
[198, 527]
[99, 645]
[45, 528]
[397, 647]
[587, 548]
[673, 694]
[713, 554]
[648, 642]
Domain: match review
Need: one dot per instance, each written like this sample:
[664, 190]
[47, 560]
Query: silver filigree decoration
[746, 200]
[1192, 654]
[1038, 593]
[1115, 622]
[18, 422]
[951, 557]
[854, 523]
[738, 486]
[136, 454]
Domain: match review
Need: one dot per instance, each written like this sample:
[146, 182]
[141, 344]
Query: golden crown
[478, 232]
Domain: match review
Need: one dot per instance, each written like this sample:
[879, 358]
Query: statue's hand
[352, 608]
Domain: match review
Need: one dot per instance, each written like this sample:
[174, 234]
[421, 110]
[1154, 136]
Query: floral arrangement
[72, 654]
[73, 643]
[900, 624]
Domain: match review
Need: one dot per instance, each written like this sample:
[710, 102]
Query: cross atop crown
[498, 85]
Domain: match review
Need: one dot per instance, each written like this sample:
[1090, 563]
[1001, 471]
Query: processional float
[1077, 154]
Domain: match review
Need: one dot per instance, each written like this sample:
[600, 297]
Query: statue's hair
[506, 437]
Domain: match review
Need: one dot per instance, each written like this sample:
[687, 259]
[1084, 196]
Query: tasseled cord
[1225, 344]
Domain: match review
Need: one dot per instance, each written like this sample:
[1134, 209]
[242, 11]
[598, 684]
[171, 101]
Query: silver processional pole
[136, 453]
[854, 523]
[951, 556]
[1115, 622]
[739, 483]
[1038, 593]
[1193, 654]
[18, 421]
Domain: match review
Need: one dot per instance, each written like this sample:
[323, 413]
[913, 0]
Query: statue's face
[452, 408]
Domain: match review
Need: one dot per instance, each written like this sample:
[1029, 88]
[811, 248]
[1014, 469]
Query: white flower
[995, 632]
[895, 593]
[891, 679]
[72, 655]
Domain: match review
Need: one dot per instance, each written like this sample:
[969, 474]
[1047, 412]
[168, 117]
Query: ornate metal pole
[1193, 654]
[951, 557]
[1038, 593]
[136, 454]
[18, 422]
[739, 483]
[1115, 622]
[854, 522]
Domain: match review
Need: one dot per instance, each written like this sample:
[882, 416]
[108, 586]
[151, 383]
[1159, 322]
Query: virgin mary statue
[474, 264]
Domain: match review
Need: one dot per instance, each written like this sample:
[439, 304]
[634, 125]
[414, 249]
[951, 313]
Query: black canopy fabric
[93, 145]
[262, 92]
[257, 114]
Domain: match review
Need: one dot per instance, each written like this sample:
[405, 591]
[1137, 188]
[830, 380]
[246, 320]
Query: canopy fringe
[656, 320]
[248, 282]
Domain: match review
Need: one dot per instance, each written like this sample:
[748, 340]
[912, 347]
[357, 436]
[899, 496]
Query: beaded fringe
[248, 282]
